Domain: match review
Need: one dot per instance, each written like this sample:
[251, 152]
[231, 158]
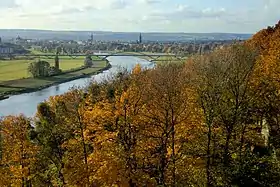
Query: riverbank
[27, 85]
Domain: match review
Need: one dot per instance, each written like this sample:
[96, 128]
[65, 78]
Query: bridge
[153, 57]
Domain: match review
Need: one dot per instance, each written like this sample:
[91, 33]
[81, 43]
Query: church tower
[91, 38]
[140, 38]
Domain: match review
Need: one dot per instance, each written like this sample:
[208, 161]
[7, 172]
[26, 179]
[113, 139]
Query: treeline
[212, 121]
[156, 47]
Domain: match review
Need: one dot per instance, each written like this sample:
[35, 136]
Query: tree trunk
[60, 174]
[242, 141]
[226, 153]
[173, 157]
[162, 165]
[84, 150]
[173, 149]
[208, 156]
[61, 177]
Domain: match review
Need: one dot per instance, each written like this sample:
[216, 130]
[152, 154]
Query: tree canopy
[39, 68]
[198, 123]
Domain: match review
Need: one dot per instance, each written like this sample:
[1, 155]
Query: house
[5, 50]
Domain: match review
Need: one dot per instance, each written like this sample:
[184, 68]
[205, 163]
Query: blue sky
[239, 16]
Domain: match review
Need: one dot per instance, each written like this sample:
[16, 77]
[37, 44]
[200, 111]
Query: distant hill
[113, 36]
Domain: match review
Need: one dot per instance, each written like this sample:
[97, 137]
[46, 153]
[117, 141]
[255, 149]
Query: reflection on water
[57, 88]
[27, 103]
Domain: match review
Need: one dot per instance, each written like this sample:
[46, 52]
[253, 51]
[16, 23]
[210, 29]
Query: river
[27, 103]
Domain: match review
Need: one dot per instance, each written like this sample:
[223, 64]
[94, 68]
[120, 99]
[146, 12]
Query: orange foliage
[18, 153]
[146, 128]
[267, 69]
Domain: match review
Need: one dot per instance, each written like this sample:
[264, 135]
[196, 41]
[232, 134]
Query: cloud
[182, 7]
[140, 15]
[151, 1]
[50, 4]
[119, 4]
[183, 12]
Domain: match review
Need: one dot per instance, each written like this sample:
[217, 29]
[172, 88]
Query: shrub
[88, 61]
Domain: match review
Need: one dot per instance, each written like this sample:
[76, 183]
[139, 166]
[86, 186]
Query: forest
[211, 121]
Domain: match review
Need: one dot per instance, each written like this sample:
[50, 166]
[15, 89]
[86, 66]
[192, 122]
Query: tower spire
[91, 38]
[140, 38]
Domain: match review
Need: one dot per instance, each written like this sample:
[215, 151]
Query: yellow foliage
[18, 153]
[268, 65]
[137, 69]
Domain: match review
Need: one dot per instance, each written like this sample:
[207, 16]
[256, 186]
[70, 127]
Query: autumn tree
[195, 123]
[223, 81]
[114, 117]
[50, 136]
[266, 78]
[70, 108]
[60, 132]
[169, 118]
[18, 153]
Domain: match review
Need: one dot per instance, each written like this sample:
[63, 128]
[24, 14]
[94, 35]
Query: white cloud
[183, 12]
[135, 15]
[149, 2]
[182, 7]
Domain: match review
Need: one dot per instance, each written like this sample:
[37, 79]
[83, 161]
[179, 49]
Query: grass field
[14, 77]
[33, 83]
[17, 69]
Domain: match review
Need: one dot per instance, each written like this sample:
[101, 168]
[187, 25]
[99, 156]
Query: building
[140, 38]
[139, 41]
[22, 41]
[91, 39]
[4, 50]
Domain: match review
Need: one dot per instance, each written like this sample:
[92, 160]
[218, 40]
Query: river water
[27, 103]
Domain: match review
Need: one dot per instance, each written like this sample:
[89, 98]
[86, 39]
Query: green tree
[50, 136]
[56, 62]
[88, 61]
[39, 69]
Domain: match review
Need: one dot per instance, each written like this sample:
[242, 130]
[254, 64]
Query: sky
[199, 16]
